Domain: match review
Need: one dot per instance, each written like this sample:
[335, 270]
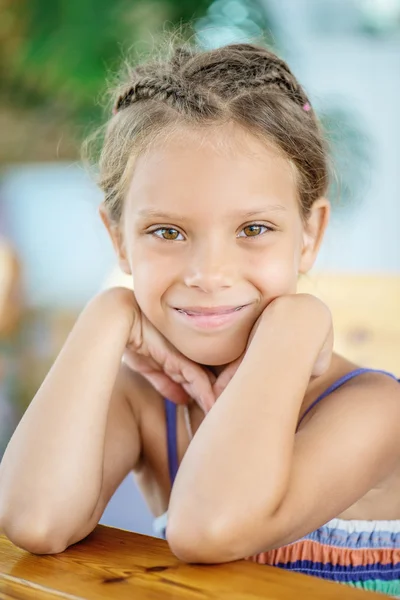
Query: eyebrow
[153, 213]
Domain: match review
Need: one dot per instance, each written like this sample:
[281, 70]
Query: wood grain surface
[111, 563]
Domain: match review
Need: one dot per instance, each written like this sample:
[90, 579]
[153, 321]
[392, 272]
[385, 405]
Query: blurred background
[55, 57]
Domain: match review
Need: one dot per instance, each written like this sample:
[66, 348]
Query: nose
[211, 267]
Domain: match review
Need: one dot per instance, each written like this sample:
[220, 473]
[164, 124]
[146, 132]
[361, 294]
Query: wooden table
[111, 563]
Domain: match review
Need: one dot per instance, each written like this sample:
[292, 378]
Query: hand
[173, 375]
[320, 321]
[311, 319]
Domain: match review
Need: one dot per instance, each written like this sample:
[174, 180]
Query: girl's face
[212, 233]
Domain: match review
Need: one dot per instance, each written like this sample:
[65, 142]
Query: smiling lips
[210, 317]
[217, 310]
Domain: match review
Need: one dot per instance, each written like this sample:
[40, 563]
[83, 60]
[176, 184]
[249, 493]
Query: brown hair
[242, 83]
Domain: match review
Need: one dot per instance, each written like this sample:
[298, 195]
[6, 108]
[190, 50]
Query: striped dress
[362, 554]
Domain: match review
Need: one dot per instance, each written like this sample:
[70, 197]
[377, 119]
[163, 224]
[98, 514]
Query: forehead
[210, 168]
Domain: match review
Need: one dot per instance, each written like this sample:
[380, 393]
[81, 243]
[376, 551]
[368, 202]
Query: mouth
[217, 310]
[211, 317]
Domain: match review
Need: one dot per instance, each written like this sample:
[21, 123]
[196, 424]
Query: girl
[228, 405]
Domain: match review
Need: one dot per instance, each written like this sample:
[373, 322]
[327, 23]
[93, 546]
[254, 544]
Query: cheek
[152, 276]
[275, 274]
[279, 277]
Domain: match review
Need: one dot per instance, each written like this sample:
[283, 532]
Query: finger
[199, 386]
[194, 379]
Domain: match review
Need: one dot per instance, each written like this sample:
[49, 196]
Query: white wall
[51, 215]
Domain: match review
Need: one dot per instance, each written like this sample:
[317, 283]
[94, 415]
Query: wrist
[297, 317]
[115, 305]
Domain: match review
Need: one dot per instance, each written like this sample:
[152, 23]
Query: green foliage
[66, 47]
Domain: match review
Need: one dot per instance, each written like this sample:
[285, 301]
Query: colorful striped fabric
[363, 554]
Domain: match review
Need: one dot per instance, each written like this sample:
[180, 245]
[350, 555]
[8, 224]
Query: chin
[211, 353]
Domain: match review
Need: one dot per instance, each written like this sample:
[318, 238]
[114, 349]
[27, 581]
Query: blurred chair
[366, 316]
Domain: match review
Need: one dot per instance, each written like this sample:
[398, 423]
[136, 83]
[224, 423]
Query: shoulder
[361, 417]
[373, 399]
[368, 386]
[375, 394]
[374, 385]
[346, 388]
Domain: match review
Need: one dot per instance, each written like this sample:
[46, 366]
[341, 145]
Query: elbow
[36, 541]
[33, 537]
[202, 544]
[225, 539]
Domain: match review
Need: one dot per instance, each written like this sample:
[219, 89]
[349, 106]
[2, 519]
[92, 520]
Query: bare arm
[77, 439]
[248, 483]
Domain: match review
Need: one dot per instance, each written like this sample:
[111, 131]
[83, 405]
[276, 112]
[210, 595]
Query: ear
[313, 233]
[117, 239]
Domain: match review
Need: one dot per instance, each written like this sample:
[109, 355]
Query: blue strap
[173, 463]
[171, 416]
[338, 383]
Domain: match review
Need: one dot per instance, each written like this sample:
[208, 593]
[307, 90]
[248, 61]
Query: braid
[167, 89]
[282, 83]
[147, 88]
[236, 69]
[248, 68]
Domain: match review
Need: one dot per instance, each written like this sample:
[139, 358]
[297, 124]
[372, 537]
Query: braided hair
[243, 83]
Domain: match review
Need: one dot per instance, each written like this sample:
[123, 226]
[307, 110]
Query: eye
[167, 233]
[254, 230]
